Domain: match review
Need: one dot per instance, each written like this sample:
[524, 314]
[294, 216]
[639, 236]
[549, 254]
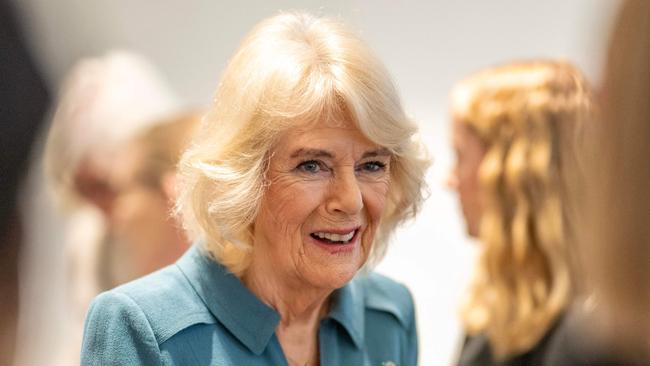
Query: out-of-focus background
[426, 45]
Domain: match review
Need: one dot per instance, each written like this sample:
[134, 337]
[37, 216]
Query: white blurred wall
[426, 45]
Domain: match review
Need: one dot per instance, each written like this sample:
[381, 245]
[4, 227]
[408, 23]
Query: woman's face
[326, 194]
[463, 177]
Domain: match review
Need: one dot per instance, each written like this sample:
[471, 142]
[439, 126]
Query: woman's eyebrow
[374, 153]
[312, 153]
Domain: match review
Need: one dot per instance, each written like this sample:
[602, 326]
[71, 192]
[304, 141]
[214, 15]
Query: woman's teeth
[335, 238]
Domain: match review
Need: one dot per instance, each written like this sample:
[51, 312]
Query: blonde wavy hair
[292, 70]
[529, 116]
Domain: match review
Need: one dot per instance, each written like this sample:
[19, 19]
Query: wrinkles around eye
[372, 167]
[312, 167]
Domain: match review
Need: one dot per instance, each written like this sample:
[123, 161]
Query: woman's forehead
[330, 140]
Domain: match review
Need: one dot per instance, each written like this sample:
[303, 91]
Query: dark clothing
[23, 103]
[565, 344]
[476, 351]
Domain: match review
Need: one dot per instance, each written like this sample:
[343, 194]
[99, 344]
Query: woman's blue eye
[310, 166]
[373, 166]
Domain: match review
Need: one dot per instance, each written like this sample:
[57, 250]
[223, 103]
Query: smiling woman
[298, 176]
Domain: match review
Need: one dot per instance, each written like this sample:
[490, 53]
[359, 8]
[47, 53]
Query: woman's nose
[345, 195]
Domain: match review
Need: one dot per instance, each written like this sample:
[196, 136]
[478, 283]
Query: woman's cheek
[375, 198]
[292, 199]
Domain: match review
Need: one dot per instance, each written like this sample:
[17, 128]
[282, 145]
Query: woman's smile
[336, 241]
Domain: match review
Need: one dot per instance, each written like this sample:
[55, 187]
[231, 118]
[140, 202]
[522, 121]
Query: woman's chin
[332, 268]
[330, 278]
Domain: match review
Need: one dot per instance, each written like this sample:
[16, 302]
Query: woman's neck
[300, 308]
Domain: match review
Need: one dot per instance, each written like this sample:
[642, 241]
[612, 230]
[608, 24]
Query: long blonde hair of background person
[528, 116]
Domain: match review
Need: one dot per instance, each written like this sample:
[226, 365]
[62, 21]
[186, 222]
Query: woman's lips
[333, 237]
[336, 241]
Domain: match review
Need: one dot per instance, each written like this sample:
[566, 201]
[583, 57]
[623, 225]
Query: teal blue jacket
[195, 312]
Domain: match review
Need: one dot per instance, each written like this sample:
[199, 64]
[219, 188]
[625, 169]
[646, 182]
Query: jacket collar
[348, 310]
[245, 316]
[250, 320]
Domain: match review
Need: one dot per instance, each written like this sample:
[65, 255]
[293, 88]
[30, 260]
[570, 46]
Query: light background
[426, 45]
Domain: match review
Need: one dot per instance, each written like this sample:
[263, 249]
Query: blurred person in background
[516, 129]
[145, 235]
[103, 103]
[299, 175]
[615, 249]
